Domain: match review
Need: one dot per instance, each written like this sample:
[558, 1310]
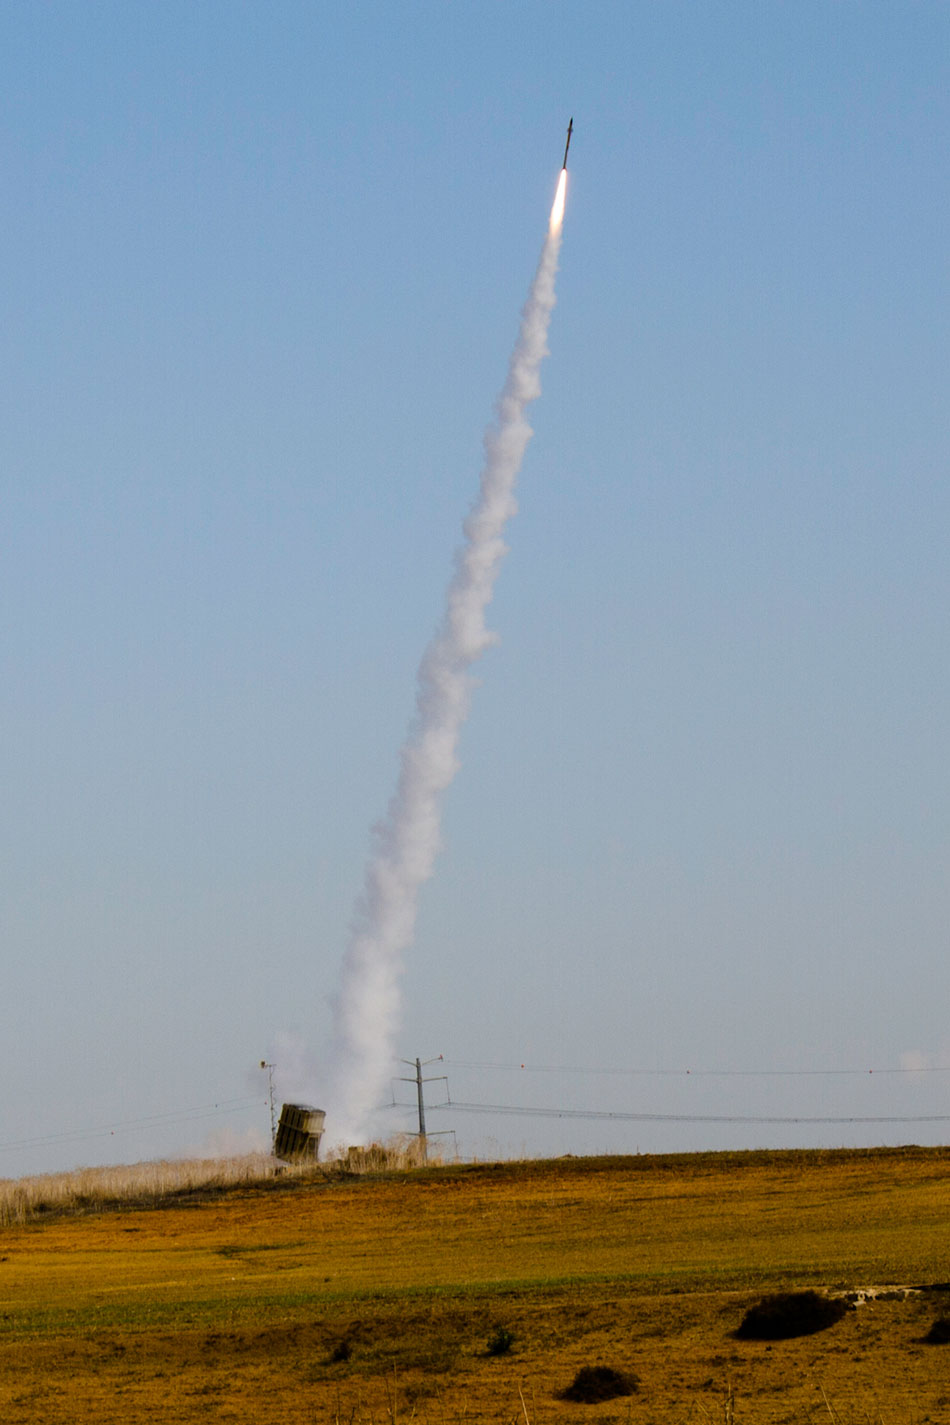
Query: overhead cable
[595, 1113]
[687, 1073]
[130, 1125]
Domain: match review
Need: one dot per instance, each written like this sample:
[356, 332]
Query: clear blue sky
[263, 266]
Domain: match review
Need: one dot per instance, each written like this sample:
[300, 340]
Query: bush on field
[500, 1341]
[399, 1154]
[790, 1313]
[594, 1383]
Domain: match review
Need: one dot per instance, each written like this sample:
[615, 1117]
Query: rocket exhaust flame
[407, 841]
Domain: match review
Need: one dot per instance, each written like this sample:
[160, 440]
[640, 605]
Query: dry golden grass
[366, 1299]
[92, 1189]
[101, 1189]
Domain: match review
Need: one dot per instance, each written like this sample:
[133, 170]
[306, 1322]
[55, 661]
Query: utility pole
[418, 1080]
[270, 1094]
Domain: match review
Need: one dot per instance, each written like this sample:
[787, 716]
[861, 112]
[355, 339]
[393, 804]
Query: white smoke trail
[407, 841]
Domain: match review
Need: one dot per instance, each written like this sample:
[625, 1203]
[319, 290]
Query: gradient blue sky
[263, 268]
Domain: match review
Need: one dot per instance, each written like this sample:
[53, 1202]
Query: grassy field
[374, 1298]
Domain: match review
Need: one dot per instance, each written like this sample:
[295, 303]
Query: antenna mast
[270, 1095]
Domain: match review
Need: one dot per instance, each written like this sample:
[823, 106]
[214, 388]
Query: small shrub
[790, 1313]
[594, 1383]
[400, 1154]
[939, 1333]
[500, 1341]
[341, 1352]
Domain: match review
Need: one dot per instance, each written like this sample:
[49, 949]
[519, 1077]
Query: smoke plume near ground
[407, 841]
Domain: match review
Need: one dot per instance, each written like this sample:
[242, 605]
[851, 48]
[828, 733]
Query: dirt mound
[790, 1313]
[593, 1383]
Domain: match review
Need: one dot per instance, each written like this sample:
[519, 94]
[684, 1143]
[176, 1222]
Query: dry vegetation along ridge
[479, 1292]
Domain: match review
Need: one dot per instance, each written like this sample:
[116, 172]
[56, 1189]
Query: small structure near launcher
[299, 1132]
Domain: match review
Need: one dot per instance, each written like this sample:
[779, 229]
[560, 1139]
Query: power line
[130, 1125]
[689, 1073]
[522, 1112]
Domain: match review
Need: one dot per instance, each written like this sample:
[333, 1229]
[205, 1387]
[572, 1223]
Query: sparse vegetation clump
[596, 1383]
[790, 1313]
[400, 1154]
[500, 1341]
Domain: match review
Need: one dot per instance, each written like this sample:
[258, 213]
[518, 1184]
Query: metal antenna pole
[270, 1094]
